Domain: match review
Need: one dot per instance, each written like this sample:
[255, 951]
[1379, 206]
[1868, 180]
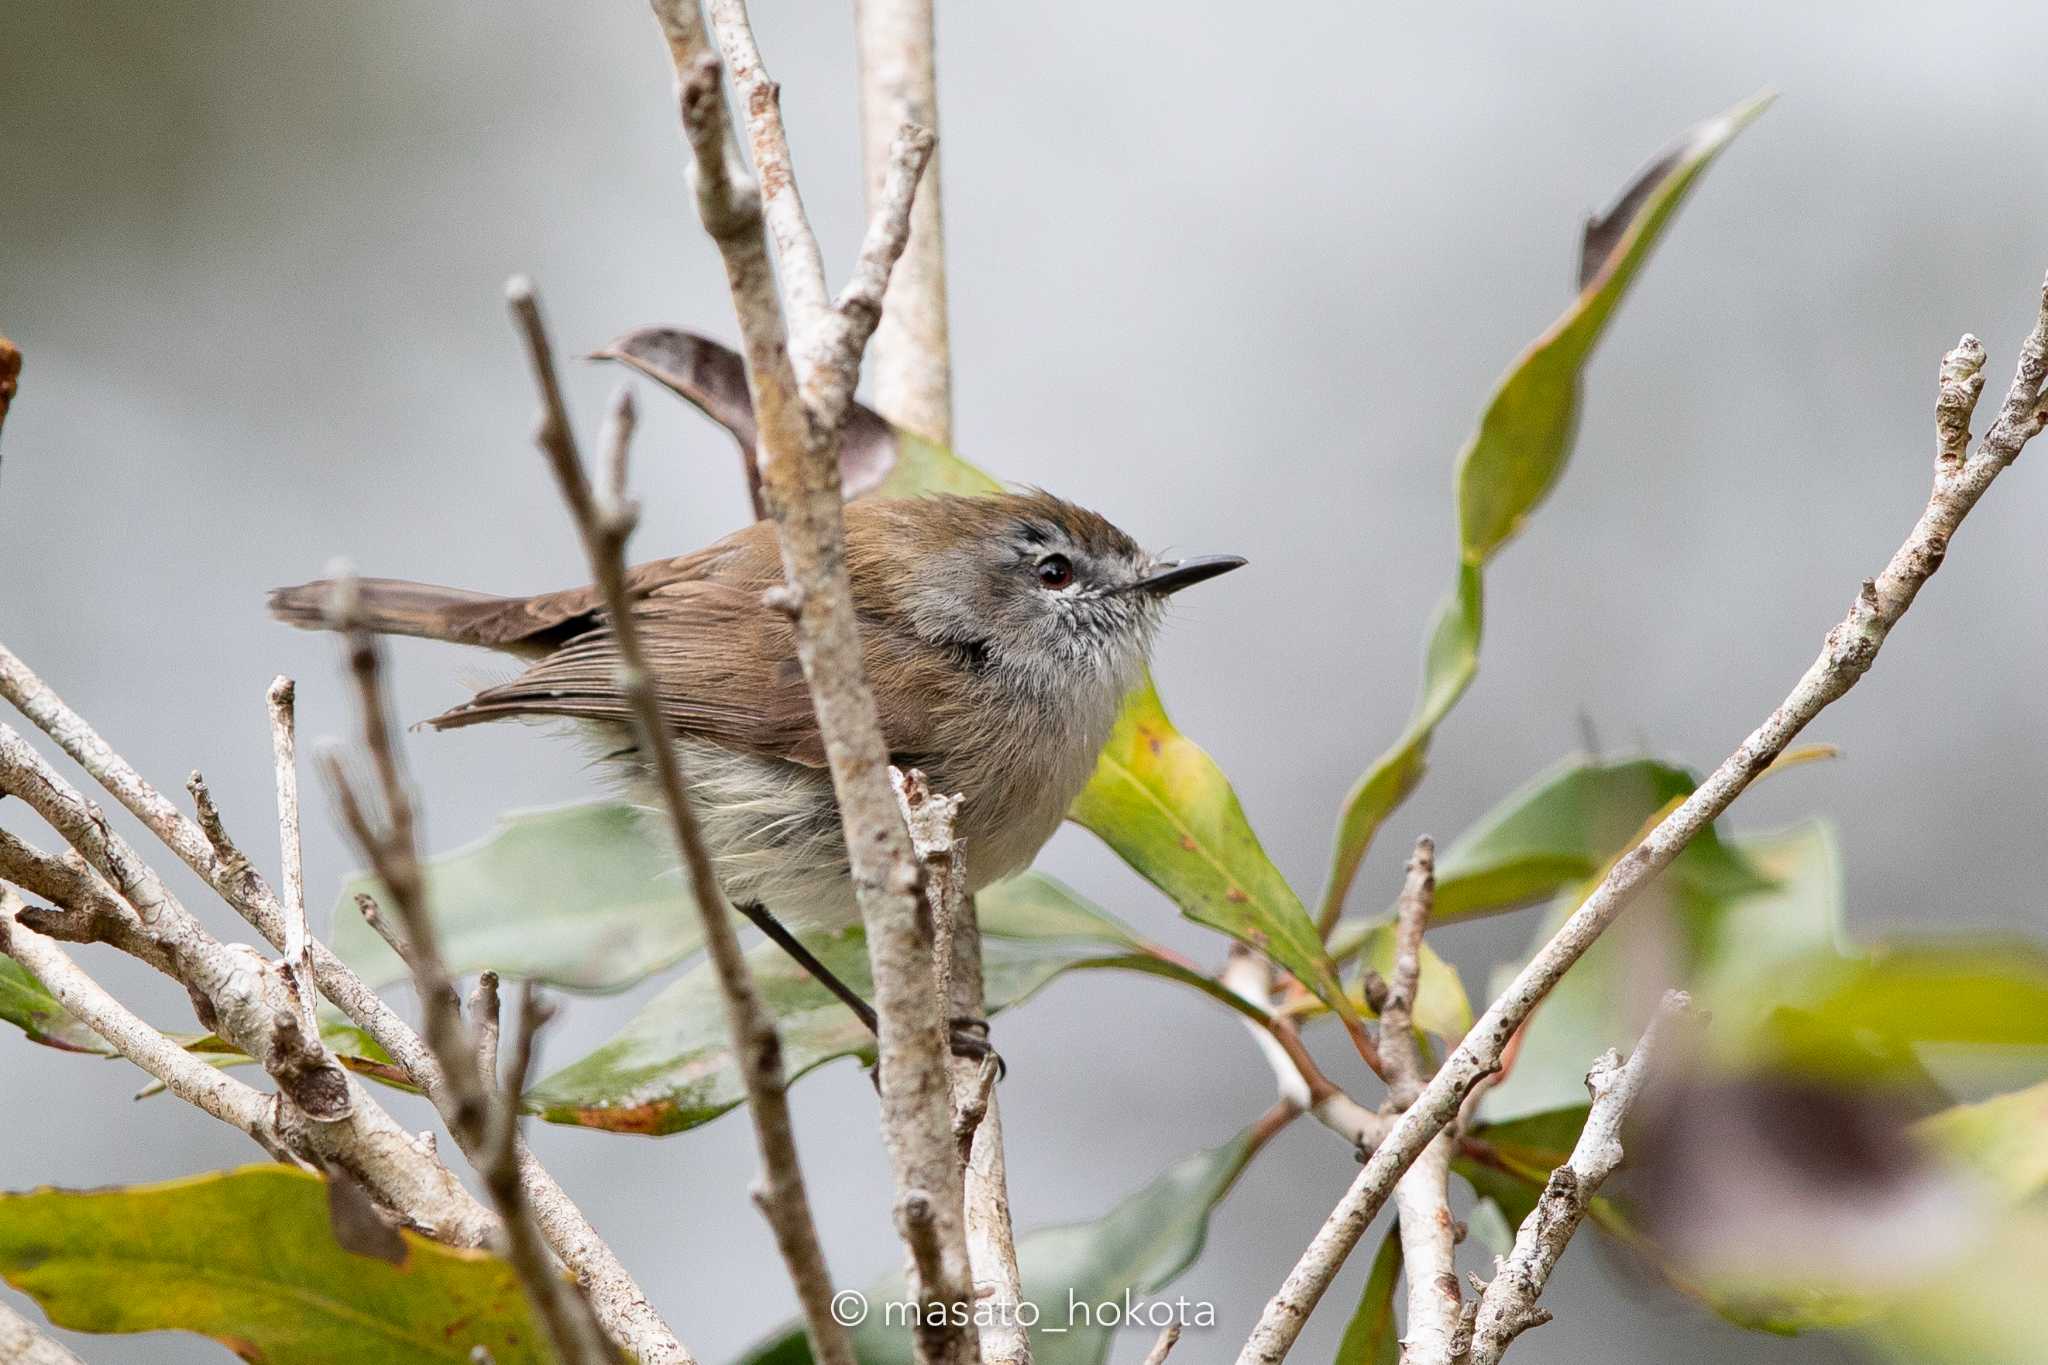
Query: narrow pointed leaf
[1373, 1337]
[671, 1067]
[1556, 832]
[1511, 464]
[249, 1258]
[1137, 1247]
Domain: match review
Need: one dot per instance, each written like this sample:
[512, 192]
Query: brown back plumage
[724, 664]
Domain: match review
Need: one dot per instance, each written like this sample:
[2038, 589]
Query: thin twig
[910, 365]
[326, 1118]
[484, 1123]
[1397, 1015]
[604, 529]
[185, 1075]
[1302, 1082]
[1422, 1196]
[298, 936]
[1507, 1306]
[977, 1111]
[799, 457]
[454, 1217]
[804, 294]
[20, 1342]
[483, 1012]
[1163, 1347]
[1850, 648]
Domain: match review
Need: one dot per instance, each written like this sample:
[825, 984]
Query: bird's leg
[968, 1037]
[779, 935]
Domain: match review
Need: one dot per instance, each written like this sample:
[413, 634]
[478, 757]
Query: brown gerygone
[1000, 636]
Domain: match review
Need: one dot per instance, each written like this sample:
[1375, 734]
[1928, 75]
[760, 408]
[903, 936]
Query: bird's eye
[1055, 571]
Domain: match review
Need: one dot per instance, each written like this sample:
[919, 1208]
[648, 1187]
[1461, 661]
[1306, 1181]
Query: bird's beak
[1171, 576]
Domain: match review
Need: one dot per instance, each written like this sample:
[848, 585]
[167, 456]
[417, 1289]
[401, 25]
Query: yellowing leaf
[249, 1258]
[1167, 810]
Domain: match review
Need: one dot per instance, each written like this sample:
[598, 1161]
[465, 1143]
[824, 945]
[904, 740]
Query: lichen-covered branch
[92, 912]
[188, 1077]
[977, 1112]
[1846, 655]
[1507, 1306]
[321, 1114]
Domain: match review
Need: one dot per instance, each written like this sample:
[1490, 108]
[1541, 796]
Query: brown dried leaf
[713, 378]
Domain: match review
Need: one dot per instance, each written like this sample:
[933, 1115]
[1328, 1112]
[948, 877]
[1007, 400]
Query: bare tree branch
[798, 448]
[20, 1342]
[604, 526]
[1422, 1196]
[1301, 1081]
[298, 938]
[1163, 1347]
[1850, 648]
[188, 1077]
[621, 1304]
[324, 1116]
[1507, 1306]
[911, 365]
[804, 295]
[1397, 1015]
[483, 1122]
[978, 1117]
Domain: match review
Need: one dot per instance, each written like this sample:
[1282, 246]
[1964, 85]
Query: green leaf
[1372, 1337]
[2004, 1139]
[924, 466]
[1137, 1247]
[248, 1258]
[1509, 1162]
[1512, 462]
[26, 1004]
[1167, 810]
[1565, 827]
[583, 897]
[1840, 1016]
[671, 1067]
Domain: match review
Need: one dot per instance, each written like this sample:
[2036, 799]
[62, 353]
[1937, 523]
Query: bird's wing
[724, 664]
[746, 560]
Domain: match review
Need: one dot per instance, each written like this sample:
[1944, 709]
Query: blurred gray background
[1240, 287]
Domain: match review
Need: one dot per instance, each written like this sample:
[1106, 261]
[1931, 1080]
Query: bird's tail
[393, 606]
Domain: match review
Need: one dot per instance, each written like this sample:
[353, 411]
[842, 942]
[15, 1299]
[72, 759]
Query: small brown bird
[1000, 634]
